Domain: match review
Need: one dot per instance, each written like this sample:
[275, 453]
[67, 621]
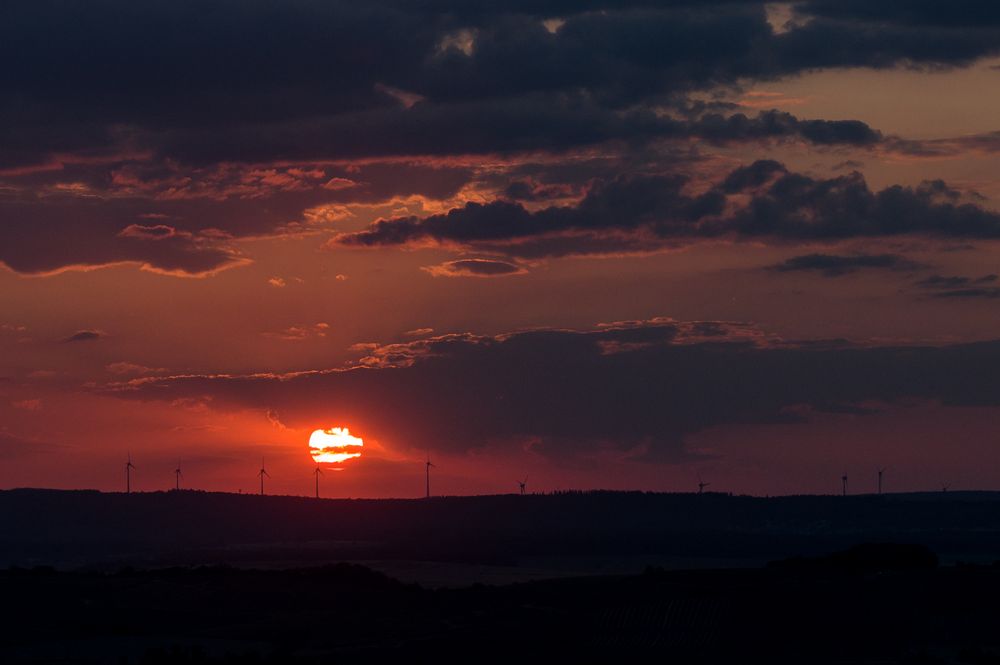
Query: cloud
[48, 230]
[833, 265]
[633, 213]
[418, 93]
[638, 387]
[961, 287]
[309, 114]
[475, 268]
[979, 292]
[126, 368]
[339, 183]
[155, 232]
[963, 13]
[85, 336]
[954, 281]
[556, 122]
[27, 404]
[985, 143]
[43, 235]
[625, 202]
[847, 164]
[277, 282]
[297, 333]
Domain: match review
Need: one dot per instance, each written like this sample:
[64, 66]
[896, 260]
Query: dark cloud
[166, 107]
[988, 143]
[632, 386]
[252, 81]
[84, 336]
[475, 268]
[954, 281]
[779, 124]
[798, 206]
[957, 286]
[626, 202]
[960, 13]
[989, 293]
[525, 190]
[835, 265]
[652, 211]
[549, 122]
[753, 176]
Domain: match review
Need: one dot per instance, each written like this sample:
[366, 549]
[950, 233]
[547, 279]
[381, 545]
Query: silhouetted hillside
[69, 528]
[348, 614]
[866, 558]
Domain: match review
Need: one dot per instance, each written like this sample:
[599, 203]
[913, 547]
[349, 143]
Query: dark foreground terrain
[571, 533]
[191, 577]
[897, 609]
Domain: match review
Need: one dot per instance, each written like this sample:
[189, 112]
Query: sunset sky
[605, 244]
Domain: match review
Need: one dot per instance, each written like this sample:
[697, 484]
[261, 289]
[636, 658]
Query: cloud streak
[834, 265]
[475, 268]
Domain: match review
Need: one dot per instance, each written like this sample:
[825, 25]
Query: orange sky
[181, 264]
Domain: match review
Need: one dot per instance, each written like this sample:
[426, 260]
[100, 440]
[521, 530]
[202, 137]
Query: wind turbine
[701, 486]
[128, 474]
[177, 476]
[428, 472]
[880, 472]
[317, 472]
[523, 484]
[843, 479]
[263, 472]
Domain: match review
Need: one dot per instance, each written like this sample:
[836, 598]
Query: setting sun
[334, 445]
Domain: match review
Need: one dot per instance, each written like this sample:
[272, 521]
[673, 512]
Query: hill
[74, 528]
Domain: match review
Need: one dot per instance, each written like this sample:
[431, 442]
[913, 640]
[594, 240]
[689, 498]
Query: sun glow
[334, 445]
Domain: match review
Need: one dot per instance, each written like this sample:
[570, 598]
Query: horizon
[543, 493]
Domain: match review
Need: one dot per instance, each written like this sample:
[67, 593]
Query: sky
[631, 244]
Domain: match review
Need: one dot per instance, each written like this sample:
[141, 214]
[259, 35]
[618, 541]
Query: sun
[334, 445]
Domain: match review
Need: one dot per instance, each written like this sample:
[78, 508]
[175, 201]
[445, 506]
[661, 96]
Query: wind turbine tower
[177, 476]
[263, 472]
[428, 476]
[523, 484]
[128, 474]
[317, 472]
[701, 486]
[880, 472]
[843, 479]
